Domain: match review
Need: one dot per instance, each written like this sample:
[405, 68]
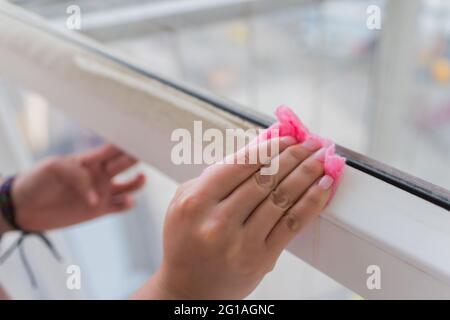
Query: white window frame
[378, 217]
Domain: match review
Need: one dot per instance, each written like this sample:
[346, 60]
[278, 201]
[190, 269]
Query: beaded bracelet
[7, 208]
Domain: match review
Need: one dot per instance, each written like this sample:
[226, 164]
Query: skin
[226, 229]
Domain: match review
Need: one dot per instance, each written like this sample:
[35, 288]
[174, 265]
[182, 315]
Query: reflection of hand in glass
[66, 190]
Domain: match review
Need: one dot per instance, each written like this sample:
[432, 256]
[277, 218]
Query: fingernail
[288, 140]
[311, 144]
[320, 155]
[326, 182]
[92, 197]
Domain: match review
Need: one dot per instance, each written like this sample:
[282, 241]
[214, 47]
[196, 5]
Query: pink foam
[290, 125]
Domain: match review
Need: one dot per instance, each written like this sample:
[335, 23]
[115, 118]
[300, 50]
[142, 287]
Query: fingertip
[92, 197]
[139, 181]
[129, 203]
[142, 178]
[123, 201]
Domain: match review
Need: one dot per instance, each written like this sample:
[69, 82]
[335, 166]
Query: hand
[226, 229]
[66, 190]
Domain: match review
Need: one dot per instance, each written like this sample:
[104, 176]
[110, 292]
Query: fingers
[244, 163]
[120, 203]
[130, 186]
[285, 195]
[119, 164]
[101, 154]
[110, 158]
[246, 198]
[299, 215]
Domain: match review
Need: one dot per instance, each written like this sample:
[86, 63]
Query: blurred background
[381, 92]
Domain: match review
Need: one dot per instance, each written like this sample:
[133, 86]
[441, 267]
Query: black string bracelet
[8, 211]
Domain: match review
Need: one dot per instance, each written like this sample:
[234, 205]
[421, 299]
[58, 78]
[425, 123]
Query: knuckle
[280, 198]
[189, 202]
[213, 231]
[208, 237]
[292, 221]
[296, 152]
[265, 181]
[314, 199]
[310, 168]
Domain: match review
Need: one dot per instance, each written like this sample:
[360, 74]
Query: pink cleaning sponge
[290, 125]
